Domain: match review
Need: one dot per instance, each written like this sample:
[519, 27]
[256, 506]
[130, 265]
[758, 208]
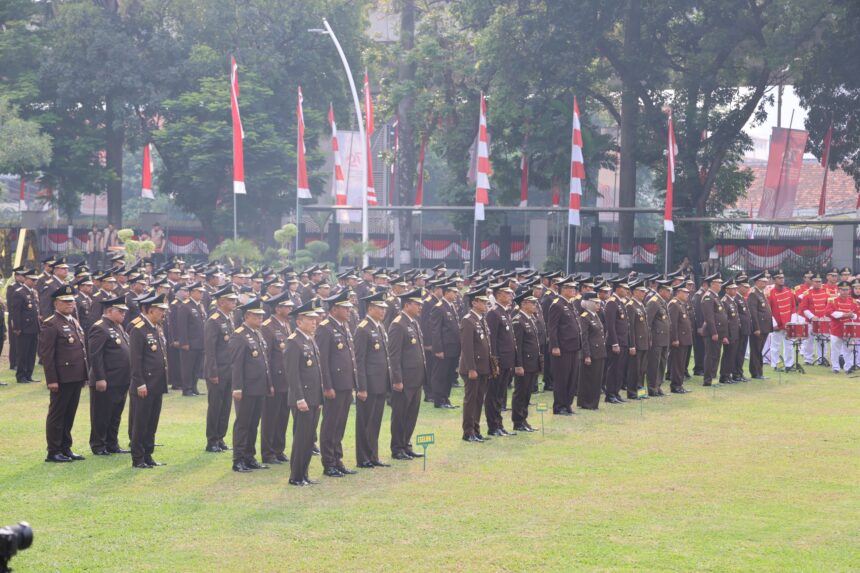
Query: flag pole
[235, 226]
[666, 254]
[475, 246]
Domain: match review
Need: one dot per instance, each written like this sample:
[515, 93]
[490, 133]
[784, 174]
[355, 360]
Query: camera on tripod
[13, 538]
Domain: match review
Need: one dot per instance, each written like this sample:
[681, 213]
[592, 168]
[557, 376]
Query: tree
[25, 149]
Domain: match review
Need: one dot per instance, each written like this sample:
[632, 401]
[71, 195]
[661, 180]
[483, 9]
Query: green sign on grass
[541, 407]
[425, 439]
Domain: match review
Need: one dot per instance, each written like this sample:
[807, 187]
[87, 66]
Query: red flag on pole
[524, 179]
[482, 187]
[577, 168]
[668, 224]
[238, 132]
[419, 187]
[368, 112]
[339, 179]
[146, 187]
[825, 163]
[302, 188]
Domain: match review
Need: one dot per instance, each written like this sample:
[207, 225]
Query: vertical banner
[783, 173]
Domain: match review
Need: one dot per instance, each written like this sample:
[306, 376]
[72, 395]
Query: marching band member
[841, 310]
[782, 305]
[812, 306]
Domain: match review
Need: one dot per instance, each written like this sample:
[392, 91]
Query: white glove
[838, 314]
[808, 314]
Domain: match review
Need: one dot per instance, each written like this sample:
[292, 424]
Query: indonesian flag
[146, 187]
[339, 179]
[556, 191]
[419, 187]
[238, 132]
[368, 112]
[577, 168]
[668, 225]
[825, 161]
[524, 179]
[302, 188]
[482, 188]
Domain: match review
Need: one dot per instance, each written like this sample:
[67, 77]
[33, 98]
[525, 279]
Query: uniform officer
[730, 350]
[408, 371]
[593, 353]
[24, 316]
[64, 358]
[148, 358]
[251, 381]
[171, 330]
[54, 278]
[110, 375]
[83, 300]
[681, 337]
[444, 337]
[189, 320]
[306, 390]
[431, 299]
[217, 369]
[549, 296]
[17, 284]
[657, 315]
[761, 324]
[746, 330]
[528, 359]
[640, 340]
[475, 365]
[617, 341]
[715, 329]
[337, 353]
[504, 349]
[276, 409]
[373, 367]
[565, 343]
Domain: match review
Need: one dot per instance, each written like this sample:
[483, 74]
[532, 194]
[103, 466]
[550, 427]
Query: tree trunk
[406, 160]
[209, 232]
[114, 142]
[629, 123]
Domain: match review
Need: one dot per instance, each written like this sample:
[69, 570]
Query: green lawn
[763, 476]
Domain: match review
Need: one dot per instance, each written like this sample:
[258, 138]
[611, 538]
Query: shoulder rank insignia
[99, 321]
[267, 322]
[240, 330]
[438, 303]
[291, 336]
[323, 323]
[584, 314]
[139, 324]
[396, 319]
[362, 324]
[213, 316]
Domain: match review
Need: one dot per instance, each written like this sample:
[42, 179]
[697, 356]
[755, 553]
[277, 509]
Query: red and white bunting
[303, 190]
[339, 179]
[577, 168]
[524, 179]
[825, 163]
[672, 149]
[368, 113]
[238, 132]
[146, 178]
[482, 187]
[419, 187]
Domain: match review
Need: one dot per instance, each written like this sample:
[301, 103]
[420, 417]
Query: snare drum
[821, 326]
[795, 330]
[851, 330]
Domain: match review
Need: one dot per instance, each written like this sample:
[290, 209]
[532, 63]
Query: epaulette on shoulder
[362, 324]
[555, 300]
[267, 322]
[213, 316]
[48, 319]
[99, 321]
[174, 301]
[323, 323]
[396, 319]
[291, 336]
[139, 324]
[438, 304]
[265, 298]
[240, 330]
[186, 301]
[583, 314]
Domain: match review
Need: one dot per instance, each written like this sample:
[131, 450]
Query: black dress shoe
[315, 451]
[507, 433]
[652, 394]
[298, 483]
[332, 473]
[619, 398]
[187, 393]
[311, 481]
[255, 465]
[141, 466]
[272, 461]
[33, 381]
[428, 399]
[346, 471]
[366, 465]
[241, 468]
[101, 452]
[118, 451]
[196, 393]
[73, 456]
[470, 438]
[677, 390]
[214, 449]
[153, 464]
[402, 456]
[496, 433]
[563, 413]
[224, 447]
[378, 464]
[456, 385]
[414, 454]
[58, 458]
[282, 458]
[588, 407]
[23, 381]
[520, 428]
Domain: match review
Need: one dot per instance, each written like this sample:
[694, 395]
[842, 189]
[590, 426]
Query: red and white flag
[482, 186]
[339, 179]
[146, 179]
[303, 190]
[672, 149]
[825, 163]
[524, 179]
[368, 113]
[238, 132]
[419, 187]
[577, 168]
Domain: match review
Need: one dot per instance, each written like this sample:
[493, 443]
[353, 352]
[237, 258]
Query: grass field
[763, 476]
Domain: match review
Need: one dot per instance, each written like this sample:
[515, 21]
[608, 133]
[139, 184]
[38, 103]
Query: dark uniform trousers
[368, 421]
[590, 383]
[61, 417]
[220, 399]
[497, 398]
[404, 416]
[636, 366]
[475, 392]
[699, 353]
[756, 349]
[273, 430]
[678, 358]
[106, 410]
[523, 386]
[565, 379]
[712, 359]
[191, 362]
[13, 347]
[174, 367]
[25, 360]
[658, 356]
[616, 367]
[304, 431]
[727, 362]
[432, 363]
[249, 410]
[444, 376]
[740, 351]
[335, 416]
[147, 411]
[547, 366]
